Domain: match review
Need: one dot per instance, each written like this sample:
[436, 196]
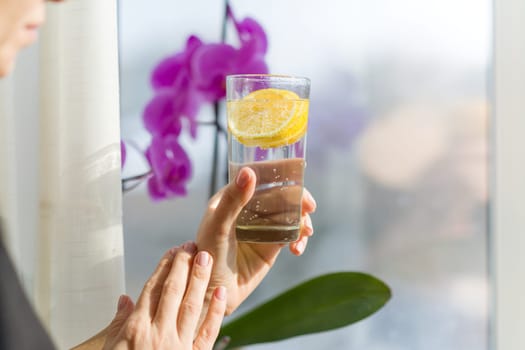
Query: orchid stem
[213, 183]
[139, 178]
[216, 109]
[212, 123]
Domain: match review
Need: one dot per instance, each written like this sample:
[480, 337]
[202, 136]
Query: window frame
[507, 211]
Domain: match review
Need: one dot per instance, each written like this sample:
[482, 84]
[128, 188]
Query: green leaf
[323, 303]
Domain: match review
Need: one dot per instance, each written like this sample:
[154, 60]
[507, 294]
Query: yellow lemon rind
[290, 113]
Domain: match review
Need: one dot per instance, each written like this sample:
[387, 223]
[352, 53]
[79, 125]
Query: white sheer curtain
[79, 270]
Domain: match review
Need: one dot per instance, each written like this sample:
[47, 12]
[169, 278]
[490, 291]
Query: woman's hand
[240, 267]
[167, 312]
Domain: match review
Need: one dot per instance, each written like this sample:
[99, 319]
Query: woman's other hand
[167, 312]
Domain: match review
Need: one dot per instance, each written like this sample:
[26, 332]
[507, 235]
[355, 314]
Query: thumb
[124, 309]
[235, 196]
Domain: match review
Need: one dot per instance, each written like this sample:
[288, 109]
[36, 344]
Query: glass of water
[267, 123]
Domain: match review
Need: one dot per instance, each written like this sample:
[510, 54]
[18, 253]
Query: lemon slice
[268, 118]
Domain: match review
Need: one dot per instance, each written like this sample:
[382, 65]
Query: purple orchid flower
[184, 82]
[168, 70]
[172, 79]
[122, 154]
[213, 62]
[171, 168]
[209, 69]
[251, 34]
[160, 118]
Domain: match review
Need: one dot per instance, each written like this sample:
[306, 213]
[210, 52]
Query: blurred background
[397, 155]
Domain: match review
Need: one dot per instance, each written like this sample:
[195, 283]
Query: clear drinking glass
[267, 123]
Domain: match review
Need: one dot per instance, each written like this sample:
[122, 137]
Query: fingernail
[203, 258]
[310, 198]
[173, 251]
[190, 247]
[308, 223]
[121, 303]
[242, 178]
[300, 246]
[220, 293]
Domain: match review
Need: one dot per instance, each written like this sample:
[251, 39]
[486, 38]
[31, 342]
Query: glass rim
[268, 77]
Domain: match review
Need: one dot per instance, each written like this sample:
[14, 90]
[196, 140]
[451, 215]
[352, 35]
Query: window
[397, 156]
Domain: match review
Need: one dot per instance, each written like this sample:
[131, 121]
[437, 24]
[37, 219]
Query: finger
[174, 288]
[104, 338]
[297, 248]
[191, 307]
[211, 325]
[149, 297]
[307, 229]
[308, 202]
[125, 308]
[227, 204]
